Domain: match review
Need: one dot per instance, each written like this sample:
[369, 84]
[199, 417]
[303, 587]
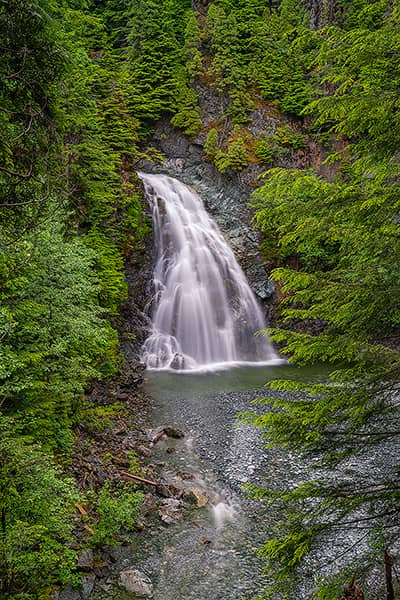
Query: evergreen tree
[343, 237]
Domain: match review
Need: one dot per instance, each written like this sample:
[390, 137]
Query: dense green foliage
[82, 85]
[36, 516]
[336, 245]
[69, 213]
[253, 45]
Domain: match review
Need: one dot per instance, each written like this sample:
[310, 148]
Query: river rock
[88, 582]
[86, 560]
[173, 432]
[169, 490]
[197, 497]
[135, 582]
[170, 511]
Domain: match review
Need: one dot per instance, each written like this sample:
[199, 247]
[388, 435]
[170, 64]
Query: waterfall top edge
[221, 366]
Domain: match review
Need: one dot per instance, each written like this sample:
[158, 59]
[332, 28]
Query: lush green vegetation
[69, 214]
[336, 247]
[82, 85]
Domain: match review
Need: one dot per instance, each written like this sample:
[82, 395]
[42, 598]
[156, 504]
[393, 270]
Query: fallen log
[138, 479]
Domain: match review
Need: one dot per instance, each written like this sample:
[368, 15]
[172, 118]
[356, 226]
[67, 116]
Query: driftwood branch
[138, 479]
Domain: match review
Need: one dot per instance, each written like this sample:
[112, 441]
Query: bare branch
[21, 175]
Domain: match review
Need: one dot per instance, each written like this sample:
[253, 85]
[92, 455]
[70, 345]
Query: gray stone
[170, 511]
[86, 560]
[135, 582]
[88, 582]
[264, 289]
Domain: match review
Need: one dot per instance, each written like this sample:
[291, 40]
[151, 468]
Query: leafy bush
[37, 509]
[117, 508]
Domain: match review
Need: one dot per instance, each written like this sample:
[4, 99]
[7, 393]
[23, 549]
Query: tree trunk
[389, 576]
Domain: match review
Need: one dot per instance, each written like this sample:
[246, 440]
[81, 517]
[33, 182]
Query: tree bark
[389, 576]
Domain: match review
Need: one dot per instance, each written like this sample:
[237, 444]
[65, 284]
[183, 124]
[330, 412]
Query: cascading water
[204, 314]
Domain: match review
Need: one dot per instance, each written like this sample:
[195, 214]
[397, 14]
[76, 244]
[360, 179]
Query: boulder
[86, 560]
[170, 511]
[197, 497]
[135, 582]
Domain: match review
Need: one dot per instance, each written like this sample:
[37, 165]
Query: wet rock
[185, 475]
[170, 511]
[169, 431]
[174, 432]
[86, 560]
[178, 362]
[135, 582]
[88, 582]
[197, 497]
[170, 490]
[264, 289]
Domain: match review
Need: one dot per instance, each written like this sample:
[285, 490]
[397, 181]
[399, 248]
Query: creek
[205, 364]
[210, 554]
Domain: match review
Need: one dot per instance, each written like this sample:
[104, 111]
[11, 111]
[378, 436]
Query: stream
[205, 365]
[210, 554]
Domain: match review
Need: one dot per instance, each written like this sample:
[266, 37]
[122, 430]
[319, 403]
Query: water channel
[210, 554]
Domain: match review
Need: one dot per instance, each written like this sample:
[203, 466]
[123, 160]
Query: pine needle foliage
[336, 244]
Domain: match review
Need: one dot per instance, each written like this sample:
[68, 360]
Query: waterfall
[204, 314]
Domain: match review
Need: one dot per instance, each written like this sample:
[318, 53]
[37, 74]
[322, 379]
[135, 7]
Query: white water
[204, 314]
[223, 513]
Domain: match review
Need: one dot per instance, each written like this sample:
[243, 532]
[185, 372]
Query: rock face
[225, 197]
[136, 583]
[322, 12]
[135, 321]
